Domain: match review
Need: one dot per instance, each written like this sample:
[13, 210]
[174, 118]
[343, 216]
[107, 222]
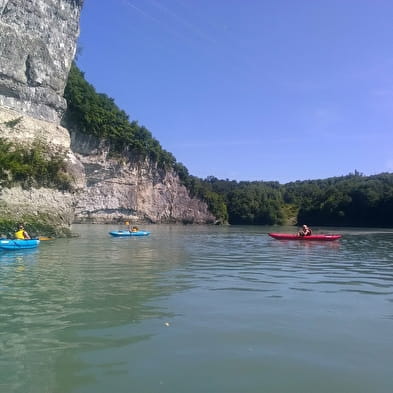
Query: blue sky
[279, 90]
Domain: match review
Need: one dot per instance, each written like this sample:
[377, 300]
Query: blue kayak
[18, 244]
[128, 233]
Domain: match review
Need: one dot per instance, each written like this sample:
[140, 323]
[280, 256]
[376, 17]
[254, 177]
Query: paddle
[45, 238]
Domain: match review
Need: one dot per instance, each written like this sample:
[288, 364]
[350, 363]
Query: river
[198, 309]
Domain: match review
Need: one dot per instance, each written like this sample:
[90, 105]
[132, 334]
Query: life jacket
[20, 234]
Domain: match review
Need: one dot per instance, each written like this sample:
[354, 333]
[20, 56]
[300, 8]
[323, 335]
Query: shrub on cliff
[97, 114]
[32, 166]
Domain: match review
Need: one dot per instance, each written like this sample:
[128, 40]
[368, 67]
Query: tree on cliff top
[97, 114]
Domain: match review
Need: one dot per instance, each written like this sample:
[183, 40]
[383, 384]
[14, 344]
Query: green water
[198, 309]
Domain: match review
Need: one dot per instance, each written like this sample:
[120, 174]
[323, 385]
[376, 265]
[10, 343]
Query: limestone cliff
[37, 46]
[131, 189]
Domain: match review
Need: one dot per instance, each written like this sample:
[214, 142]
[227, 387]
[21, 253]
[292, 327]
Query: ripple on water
[80, 306]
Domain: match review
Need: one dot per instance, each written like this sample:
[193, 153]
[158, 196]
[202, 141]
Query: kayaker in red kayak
[306, 231]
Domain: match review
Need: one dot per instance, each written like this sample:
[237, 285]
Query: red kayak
[289, 236]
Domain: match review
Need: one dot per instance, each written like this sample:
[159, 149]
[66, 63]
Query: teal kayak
[18, 244]
[129, 233]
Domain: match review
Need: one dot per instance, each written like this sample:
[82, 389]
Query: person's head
[21, 226]
[304, 226]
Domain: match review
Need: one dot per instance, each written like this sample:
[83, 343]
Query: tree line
[351, 200]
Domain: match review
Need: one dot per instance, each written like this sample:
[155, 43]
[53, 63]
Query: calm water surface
[198, 309]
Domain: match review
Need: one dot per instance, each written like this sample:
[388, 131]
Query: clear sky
[279, 90]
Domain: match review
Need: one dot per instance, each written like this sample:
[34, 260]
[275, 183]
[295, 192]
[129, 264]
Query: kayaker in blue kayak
[306, 231]
[21, 233]
[133, 229]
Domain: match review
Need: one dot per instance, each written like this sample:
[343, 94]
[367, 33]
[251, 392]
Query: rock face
[37, 46]
[131, 189]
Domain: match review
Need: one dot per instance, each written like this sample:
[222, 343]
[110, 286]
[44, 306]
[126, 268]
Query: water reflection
[28, 255]
[76, 295]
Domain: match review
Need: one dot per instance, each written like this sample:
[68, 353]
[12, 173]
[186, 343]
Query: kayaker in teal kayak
[306, 231]
[21, 233]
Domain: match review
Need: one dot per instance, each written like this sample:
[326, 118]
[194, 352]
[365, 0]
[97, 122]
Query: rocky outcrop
[37, 46]
[106, 189]
[131, 189]
[45, 206]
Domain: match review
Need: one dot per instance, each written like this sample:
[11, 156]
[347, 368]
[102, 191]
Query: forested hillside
[352, 200]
